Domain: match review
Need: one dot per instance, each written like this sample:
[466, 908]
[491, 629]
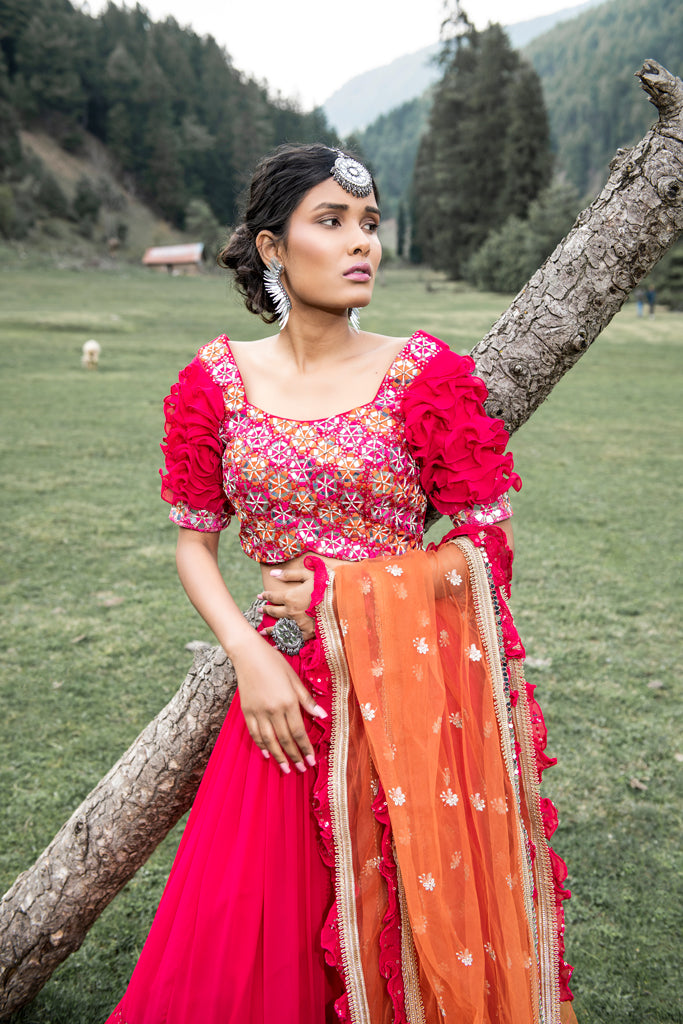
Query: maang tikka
[351, 175]
[273, 285]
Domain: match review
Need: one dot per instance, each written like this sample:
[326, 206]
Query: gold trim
[411, 975]
[488, 632]
[345, 887]
[548, 951]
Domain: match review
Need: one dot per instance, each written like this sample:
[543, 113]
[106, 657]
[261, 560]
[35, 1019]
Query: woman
[368, 843]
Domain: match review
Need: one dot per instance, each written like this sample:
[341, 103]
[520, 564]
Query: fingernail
[266, 754]
[319, 712]
[285, 767]
[260, 597]
[276, 572]
[310, 760]
[300, 766]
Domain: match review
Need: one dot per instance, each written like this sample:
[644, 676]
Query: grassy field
[95, 622]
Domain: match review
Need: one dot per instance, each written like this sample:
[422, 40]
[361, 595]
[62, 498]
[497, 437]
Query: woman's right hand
[272, 698]
[271, 693]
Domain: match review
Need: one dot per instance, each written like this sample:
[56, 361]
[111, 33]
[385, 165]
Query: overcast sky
[305, 49]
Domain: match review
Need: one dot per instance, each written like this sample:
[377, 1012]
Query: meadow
[94, 621]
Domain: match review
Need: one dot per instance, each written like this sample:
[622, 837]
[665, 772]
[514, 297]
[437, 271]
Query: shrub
[512, 253]
[86, 205]
[50, 196]
[670, 279]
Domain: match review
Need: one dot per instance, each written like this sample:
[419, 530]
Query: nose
[360, 242]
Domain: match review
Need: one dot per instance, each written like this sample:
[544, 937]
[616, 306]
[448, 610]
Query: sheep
[91, 354]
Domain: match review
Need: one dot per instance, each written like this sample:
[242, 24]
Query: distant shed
[176, 259]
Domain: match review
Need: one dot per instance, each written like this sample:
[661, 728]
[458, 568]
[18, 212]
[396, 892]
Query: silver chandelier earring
[275, 288]
[354, 319]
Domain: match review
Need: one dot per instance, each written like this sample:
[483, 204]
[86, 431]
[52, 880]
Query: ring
[287, 636]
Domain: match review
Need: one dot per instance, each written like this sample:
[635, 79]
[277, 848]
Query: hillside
[364, 98]
[594, 103]
[124, 217]
[181, 125]
[587, 67]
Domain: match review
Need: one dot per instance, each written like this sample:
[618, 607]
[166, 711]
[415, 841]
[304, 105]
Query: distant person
[368, 842]
[651, 296]
[640, 300]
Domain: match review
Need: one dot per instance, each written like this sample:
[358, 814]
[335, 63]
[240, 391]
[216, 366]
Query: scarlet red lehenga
[409, 877]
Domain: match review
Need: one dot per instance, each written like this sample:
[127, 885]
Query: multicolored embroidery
[346, 486]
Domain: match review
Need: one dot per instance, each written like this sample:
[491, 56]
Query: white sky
[305, 49]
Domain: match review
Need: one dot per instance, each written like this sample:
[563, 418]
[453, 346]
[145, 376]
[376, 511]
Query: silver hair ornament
[275, 288]
[351, 175]
[354, 319]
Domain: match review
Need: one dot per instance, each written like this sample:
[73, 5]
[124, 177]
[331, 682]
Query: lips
[358, 272]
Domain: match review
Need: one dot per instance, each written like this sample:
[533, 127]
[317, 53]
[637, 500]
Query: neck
[315, 337]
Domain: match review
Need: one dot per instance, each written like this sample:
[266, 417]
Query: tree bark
[557, 315]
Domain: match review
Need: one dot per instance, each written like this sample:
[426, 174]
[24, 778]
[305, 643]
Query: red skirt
[237, 936]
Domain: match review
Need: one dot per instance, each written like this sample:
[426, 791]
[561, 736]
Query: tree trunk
[553, 320]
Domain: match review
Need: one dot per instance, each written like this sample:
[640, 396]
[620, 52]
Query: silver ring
[287, 636]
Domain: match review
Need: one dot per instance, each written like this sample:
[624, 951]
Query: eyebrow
[343, 206]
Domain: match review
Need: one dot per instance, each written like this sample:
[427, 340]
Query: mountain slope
[594, 103]
[365, 97]
[587, 66]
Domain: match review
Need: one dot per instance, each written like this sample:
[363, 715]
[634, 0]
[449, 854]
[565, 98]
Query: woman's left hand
[289, 598]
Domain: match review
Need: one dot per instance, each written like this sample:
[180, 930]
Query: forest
[586, 68]
[505, 149]
[179, 120]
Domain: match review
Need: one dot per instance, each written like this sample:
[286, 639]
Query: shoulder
[437, 358]
[217, 360]
[215, 354]
[425, 360]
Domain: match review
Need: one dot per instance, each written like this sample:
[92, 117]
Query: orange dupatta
[434, 800]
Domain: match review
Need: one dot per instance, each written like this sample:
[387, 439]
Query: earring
[275, 288]
[354, 320]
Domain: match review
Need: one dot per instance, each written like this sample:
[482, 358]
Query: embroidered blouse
[353, 485]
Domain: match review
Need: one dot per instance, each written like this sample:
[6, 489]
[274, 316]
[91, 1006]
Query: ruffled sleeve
[193, 480]
[465, 470]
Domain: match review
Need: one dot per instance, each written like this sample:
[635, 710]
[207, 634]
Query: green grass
[95, 621]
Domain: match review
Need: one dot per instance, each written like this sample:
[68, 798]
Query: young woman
[368, 843]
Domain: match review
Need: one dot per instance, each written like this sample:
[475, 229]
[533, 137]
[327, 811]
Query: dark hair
[280, 182]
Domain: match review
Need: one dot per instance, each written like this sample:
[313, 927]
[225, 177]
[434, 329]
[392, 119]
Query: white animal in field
[91, 354]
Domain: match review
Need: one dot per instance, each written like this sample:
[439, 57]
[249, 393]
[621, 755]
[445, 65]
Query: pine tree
[48, 82]
[527, 156]
[486, 147]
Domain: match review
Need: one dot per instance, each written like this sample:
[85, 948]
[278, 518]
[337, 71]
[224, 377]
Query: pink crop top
[351, 486]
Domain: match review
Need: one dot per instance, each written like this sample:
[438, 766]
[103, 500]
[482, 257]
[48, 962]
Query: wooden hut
[176, 259]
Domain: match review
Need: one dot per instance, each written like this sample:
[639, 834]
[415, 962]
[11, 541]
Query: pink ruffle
[494, 542]
[549, 816]
[460, 448]
[315, 670]
[194, 411]
[320, 577]
[390, 963]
